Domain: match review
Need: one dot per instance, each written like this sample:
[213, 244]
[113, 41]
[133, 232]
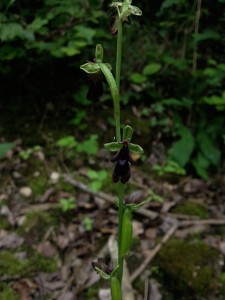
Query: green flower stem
[120, 185]
[119, 53]
[115, 95]
[114, 86]
[121, 212]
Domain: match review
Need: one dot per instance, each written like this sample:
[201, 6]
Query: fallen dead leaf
[46, 249]
[10, 240]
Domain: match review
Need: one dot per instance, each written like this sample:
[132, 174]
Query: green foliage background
[173, 71]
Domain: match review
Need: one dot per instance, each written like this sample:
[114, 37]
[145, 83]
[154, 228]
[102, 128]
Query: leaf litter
[65, 238]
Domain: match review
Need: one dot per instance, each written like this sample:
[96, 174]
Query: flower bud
[99, 53]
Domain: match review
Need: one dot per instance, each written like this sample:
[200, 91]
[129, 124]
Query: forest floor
[58, 215]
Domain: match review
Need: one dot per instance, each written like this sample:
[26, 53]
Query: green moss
[6, 293]
[63, 186]
[37, 262]
[4, 224]
[139, 284]
[189, 268]
[38, 184]
[92, 293]
[11, 265]
[36, 225]
[192, 208]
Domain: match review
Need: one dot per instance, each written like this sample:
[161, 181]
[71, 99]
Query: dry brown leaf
[10, 240]
[46, 249]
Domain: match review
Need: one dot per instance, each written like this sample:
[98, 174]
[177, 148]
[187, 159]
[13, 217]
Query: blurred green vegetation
[173, 72]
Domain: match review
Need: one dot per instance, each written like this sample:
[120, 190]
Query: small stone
[36, 174]
[54, 177]
[16, 175]
[25, 191]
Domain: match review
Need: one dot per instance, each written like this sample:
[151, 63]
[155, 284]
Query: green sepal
[90, 68]
[102, 274]
[99, 53]
[136, 149]
[127, 133]
[115, 4]
[125, 11]
[134, 10]
[113, 146]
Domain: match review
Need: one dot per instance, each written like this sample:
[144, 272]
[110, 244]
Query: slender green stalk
[115, 95]
[121, 211]
[119, 53]
[120, 185]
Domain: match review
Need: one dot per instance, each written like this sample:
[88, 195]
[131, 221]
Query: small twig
[202, 222]
[153, 253]
[178, 216]
[144, 212]
[83, 187]
[39, 207]
[68, 284]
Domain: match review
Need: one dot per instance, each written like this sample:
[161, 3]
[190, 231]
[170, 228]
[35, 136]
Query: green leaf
[113, 146]
[67, 204]
[89, 146]
[67, 142]
[180, 64]
[85, 33]
[181, 150]
[127, 133]
[37, 24]
[217, 101]
[11, 31]
[95, 185]
[206, 35]
[5, 147]
[169, 3]
[184, 102]
[209, 148]
[201, 164]
[9, 53]
[173, 167]
[92, 174]
[138, 78]
[70, 51]
[151, 69]
[88, 223]
[136, 149]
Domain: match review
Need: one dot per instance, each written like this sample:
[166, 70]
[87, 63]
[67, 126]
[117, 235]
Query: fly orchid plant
[121, 173]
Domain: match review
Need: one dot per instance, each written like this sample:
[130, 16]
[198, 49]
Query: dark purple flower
[122, 169]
